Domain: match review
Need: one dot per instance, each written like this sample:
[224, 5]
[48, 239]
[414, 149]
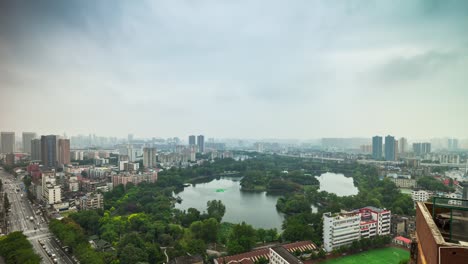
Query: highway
[19, 219]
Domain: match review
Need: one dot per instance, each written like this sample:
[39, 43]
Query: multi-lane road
[27, 217]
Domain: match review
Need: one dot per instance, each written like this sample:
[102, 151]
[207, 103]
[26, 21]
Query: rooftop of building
[448, 219]
[187, 260]
[252, 256]
[290, 258]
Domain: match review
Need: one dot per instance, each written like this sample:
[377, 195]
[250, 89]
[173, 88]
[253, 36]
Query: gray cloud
[163, 68]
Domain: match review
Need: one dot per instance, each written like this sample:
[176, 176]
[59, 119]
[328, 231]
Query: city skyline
[269, 69]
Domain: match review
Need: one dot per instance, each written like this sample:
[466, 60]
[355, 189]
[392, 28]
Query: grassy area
[376, 256]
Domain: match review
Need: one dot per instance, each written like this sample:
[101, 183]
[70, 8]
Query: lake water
[255, 208]
[337, 183]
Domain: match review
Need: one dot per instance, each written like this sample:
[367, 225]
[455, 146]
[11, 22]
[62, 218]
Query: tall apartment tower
[389, 148]
[49, 151]
[377, 148]
[149, 157]
[27, 137]
[36, 149]
[8, 142]
[63, 152]
[201, 143]
[191, 140]
[402, 145]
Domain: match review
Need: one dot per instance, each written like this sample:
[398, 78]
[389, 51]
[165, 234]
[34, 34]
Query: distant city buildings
[27, 138]
[377, 147]
[149, 157]
[7, 140]
[421, 148]
[343, 228]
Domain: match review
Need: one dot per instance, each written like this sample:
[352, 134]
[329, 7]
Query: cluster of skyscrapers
[52, 150]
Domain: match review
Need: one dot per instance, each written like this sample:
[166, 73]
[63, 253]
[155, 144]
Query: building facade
[343, 228]
[49, 151]
[201, 143]
[149, 157]
[390, 148]
[63, 152]
[191, 140]
[36, 149]
[421, 195]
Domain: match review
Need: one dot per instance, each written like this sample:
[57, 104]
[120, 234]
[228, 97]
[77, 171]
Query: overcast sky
[256, 69]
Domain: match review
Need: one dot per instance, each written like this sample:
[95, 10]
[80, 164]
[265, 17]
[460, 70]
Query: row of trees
[15, 248]
[72, 235]
[364, 244]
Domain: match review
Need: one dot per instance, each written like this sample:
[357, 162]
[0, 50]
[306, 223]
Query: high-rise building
[403, 145]
[201, 143]
[8, 142]
[36, 149]
[377, 148]
[49, 150]
[27, 137]
[63, 151]
[389, 148]
[130, 138]
[191, 140]
[149, 157]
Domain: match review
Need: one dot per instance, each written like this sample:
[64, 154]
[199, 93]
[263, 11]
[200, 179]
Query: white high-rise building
[340, 229]
[343, 228]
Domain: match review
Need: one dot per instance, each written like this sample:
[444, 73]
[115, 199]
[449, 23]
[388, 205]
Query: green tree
[131, 254]
[216, 209]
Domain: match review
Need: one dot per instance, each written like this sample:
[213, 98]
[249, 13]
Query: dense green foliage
[241, 239]
[432, 184]
[72, 235]
[15, 248]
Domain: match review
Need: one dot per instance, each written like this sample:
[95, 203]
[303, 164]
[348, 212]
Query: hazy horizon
[266, 69]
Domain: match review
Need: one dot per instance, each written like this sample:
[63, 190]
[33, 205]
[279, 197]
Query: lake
[337, 183]
[255, 208]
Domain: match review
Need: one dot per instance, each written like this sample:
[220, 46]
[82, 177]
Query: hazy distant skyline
[235, 69]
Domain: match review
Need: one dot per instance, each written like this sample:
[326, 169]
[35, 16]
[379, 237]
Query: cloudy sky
[257, 69]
